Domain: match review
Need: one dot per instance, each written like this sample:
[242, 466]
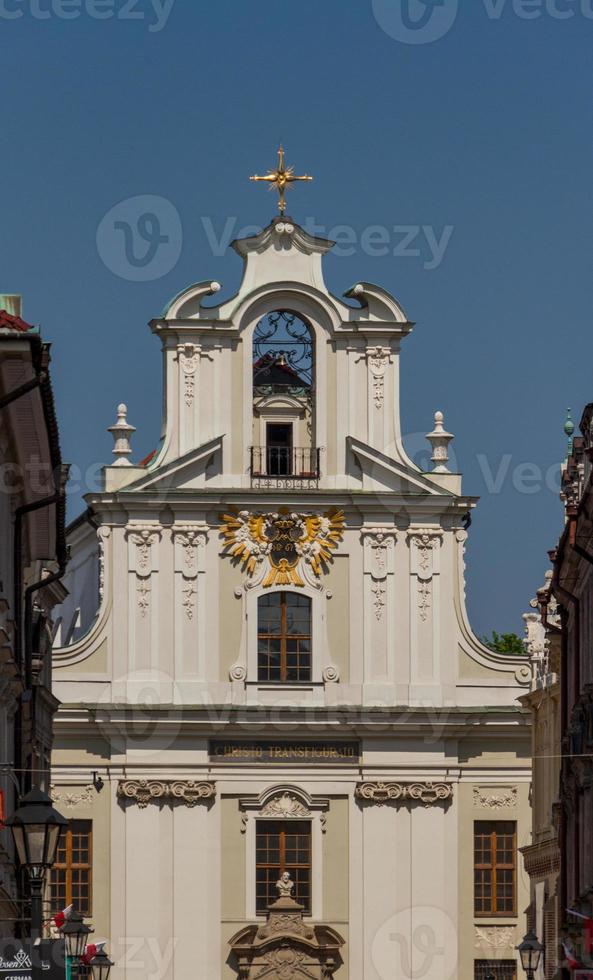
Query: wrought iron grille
[499, 969]
[282, 340]
[274, 461]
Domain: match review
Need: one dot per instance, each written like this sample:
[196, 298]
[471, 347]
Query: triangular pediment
[380, 472]
[184, 473]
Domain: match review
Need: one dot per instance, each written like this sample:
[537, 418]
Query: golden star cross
[281, 179]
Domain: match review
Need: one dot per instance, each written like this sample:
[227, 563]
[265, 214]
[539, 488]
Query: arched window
[283, 399]
[284, 637]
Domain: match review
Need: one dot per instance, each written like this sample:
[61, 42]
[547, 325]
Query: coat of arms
[284, 544]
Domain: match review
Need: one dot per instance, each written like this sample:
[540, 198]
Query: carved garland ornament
[379, 359]
[426, 793]
[143, 536]
[190, 538]
[283, 546]
[425, 543]
[497, 937]
[71, 799]
[495, 800]
[145, 791]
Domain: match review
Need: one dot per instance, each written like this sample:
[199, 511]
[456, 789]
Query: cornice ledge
[145, 791]
[427, 793]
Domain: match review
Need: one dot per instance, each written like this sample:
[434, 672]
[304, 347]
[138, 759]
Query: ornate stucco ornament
[497, 799]
[498, 937]
[70, 797]
[284, 806]
[282, 546]
[145, 791]
[426, 793]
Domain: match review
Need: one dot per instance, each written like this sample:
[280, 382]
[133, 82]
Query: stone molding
[145, 791]
[427, 793]
[497, 799]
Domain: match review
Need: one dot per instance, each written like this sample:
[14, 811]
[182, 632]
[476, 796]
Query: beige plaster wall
[338, 615]
[98, 810]
[233, 861]
[230, 615]
[335, 864]
[471, 946]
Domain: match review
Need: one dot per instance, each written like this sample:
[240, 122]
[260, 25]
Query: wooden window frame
[493, 866]
[286, 827]
[68, 866]
[284, 636]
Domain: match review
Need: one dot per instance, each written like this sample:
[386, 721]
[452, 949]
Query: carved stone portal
[286, 947]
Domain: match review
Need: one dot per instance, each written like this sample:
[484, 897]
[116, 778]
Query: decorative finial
[569, 431]
[439, 440]
[122, 433]
[281, 179]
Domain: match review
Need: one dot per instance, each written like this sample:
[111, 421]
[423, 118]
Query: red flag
[61, 917]
[570, 957]
[90, 951]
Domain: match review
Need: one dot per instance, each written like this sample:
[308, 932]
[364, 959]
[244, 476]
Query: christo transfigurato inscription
[284, 753]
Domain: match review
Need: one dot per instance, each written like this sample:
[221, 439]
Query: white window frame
[318, 635]
[254, 808]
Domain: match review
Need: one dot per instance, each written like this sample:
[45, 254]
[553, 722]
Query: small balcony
[274, 467]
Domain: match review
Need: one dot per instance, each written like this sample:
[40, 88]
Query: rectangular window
[495, 864]
[499, 969]
[279, 449]
[283, 845]
[71, 875]
[284, 638]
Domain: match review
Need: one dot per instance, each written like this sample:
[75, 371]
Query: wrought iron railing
[283, 464]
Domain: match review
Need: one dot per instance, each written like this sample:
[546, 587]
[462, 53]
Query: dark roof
[10, 322]
[268, 370]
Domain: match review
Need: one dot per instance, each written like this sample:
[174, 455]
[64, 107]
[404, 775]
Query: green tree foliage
[505, 643]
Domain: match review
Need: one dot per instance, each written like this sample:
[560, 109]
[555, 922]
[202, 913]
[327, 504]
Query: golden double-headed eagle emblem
[283, 540]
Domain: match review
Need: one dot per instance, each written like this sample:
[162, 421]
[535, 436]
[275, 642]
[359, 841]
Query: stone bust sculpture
[284, 885]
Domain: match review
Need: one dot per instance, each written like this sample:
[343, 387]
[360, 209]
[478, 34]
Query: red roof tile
[148, 459]
[10, 322]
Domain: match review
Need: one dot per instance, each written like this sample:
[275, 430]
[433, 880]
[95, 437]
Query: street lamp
[101, 965]
[530, 951]
[36, 829]
[75, 933]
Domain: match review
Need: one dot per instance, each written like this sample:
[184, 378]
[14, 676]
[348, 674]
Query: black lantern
[101, 965]
[36, 829]
[490, 976]
[75, 932]
[530, 951]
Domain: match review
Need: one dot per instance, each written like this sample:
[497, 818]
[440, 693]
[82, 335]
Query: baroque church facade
[282, 747]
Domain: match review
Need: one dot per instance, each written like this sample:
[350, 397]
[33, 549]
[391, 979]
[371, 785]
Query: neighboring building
[32, 560]
[572, 585]
[272, 667]
[542, 856]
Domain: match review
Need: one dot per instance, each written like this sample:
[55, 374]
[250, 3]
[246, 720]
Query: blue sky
[476, 143]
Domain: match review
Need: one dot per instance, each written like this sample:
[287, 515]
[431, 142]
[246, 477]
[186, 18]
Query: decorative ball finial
[439, 440]
[122, 433]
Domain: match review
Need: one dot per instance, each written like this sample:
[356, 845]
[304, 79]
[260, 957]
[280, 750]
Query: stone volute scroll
[286, 946]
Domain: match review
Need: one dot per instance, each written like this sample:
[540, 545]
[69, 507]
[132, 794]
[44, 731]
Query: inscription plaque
[272, 752]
